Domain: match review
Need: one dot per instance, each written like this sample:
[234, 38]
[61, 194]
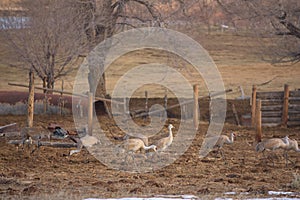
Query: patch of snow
[283, 198]
[162, 197]
[280, 193]
[245, 193]
[231, 193]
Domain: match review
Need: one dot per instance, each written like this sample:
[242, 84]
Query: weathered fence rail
[277, 108]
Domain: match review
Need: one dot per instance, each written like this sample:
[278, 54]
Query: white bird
[164, 143]
[221, 140]
[292, 145]
[272, 145]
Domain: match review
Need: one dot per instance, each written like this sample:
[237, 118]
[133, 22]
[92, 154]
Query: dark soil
[50, 173]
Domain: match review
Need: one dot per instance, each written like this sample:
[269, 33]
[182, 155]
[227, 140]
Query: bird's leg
[223, 156]
[287, 159]
[265, 157]
[132, 157]
[37, 145]
[272, 159]
[23, 143]
[217, 152]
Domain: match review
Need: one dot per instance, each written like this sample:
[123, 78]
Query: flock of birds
[139, 143]
[273, 144]
[287, 144]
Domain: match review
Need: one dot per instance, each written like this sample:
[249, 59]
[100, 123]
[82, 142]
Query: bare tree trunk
[101, 89]
[100, 31]
[44, 84]
[50, 84]
[30, 108]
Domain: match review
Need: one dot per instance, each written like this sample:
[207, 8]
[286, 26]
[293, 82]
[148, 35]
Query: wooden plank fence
[281, 108]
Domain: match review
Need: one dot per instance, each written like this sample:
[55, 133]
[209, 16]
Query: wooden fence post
[236, 115]
[61, 101]
[166, 99]
[258, 121]
[185, 111]
[165, 105]
[253, 106]
[196, 106]
[146, 103]
[126, 105]
[45, 101]
[30, 108]
[90, 113]
[285, 109]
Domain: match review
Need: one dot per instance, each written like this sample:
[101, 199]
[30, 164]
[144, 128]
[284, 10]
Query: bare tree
[107, 17]
[279, 21]
[56, 32]
[45, 38]
[207, 11]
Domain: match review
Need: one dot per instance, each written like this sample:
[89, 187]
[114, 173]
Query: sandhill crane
[272, 144]
[164, 143]
[26, 138]
[292, 145]
[135, 145]
[221, 140]
[133, 136]
[86, 141]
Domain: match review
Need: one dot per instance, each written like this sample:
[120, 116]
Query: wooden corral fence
[281, 108]
[92, 99]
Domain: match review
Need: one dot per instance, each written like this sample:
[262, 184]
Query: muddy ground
[50, 173]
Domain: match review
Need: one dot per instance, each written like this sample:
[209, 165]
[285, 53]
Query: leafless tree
[279, 21]
[207, 11]
[46, 38]
[55, 32]
[107, 17]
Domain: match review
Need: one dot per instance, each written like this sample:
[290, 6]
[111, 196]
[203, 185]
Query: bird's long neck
[231, 138]
[148, 147]
[170, 133]
[296, 147]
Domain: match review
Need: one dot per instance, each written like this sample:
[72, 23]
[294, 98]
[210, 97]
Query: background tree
[45, 38]
[279, 21]
[56, 32]
[103, 18]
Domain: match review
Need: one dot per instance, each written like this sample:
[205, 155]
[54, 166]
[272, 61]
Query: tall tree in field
[278, 20]
[45, 38]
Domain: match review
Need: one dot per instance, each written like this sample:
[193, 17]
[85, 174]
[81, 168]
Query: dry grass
[238, 58]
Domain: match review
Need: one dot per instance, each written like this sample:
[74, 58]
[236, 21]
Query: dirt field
[50, 173]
